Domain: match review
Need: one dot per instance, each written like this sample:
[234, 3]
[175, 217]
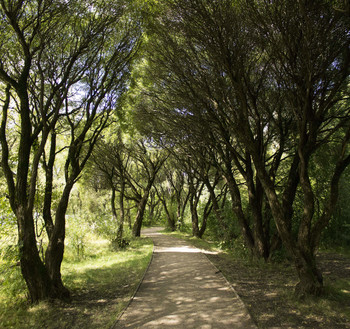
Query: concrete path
[182, 289]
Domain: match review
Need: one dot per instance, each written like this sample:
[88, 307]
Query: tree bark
[33, 270]
[136, 230]
[55, 249]
[120, 230]
[238, 211]
[48, 167]
[206, 212]
[170, 219]
[194, 217]
[310, 277]
[216, 207]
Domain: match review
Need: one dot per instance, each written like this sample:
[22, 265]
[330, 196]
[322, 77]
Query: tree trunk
[33, 270]
[206, 213]
[301, 251]
[171, 220]
[310, 277]
[120, 230]
[216, 207]
[261, 240]
[238, 211]
[48, 167]
[194, 217]
[136, 230]
[195, 224]
[55, 249]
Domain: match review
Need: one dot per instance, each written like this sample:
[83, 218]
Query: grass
[101, 285]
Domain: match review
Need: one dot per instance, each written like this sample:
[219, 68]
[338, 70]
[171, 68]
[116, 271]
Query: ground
[267, 291]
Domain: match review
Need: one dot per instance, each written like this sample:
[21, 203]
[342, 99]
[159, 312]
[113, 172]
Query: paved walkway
[182, 289]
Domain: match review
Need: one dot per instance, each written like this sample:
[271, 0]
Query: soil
[267, 291]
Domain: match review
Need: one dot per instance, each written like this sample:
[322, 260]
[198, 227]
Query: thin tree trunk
[238, 211]
[216, 207]
[206, 212]
[170, 219]
[48, 167]
[194, 216]
[33, 270]
[121, 215]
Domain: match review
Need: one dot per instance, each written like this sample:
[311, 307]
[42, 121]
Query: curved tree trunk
[207, 210]
[38, 281]
[310, 277]
[55, 249]
[238, 211]
[141, 207]
[170, 219]
[21, 196]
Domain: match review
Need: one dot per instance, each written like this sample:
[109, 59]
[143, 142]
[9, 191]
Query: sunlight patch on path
[182, 289]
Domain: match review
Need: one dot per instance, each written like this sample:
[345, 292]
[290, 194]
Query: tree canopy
[230, 116]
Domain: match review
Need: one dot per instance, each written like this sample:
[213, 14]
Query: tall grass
[101, 284]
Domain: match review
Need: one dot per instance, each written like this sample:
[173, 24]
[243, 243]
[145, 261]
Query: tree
[265, 81]
[172, 190]
[111, 162]
[310, 57]
[189, 111]
[51, 60]
[149, 160]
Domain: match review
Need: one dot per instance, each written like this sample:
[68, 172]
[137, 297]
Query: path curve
[183, 289]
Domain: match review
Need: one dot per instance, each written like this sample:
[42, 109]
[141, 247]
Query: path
[182, 289]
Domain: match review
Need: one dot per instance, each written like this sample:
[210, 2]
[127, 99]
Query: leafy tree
[111, 162]
[172, 190]
[56, 70]
[188, 110]
[148, 162]
[310, 59]
[264, 82]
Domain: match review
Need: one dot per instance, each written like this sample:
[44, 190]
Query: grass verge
[101, 286]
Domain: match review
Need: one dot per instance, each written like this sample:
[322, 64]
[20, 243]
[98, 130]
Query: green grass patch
[101, 284]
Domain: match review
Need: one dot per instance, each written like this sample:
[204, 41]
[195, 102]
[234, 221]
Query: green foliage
[89, 210]
[77, 232]
[7, 222]
[215, 230]
[337, 233]
[11, 281]
[102, 284]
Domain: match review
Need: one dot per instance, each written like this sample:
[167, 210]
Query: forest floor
[267, 291]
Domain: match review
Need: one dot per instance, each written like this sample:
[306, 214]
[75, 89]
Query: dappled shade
[182, 289]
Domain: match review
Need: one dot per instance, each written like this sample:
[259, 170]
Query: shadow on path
[182, 289]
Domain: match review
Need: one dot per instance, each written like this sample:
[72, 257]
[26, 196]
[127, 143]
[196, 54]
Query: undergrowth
[101, 284]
